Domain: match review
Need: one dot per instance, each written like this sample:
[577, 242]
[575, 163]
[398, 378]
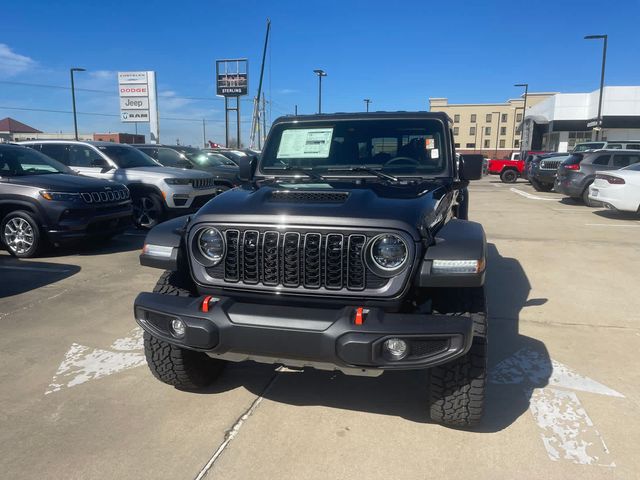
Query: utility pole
[295, 109]
[264, 119]
[604, 62]
[367, 102]
[320, 73]
[73, 100]
[204, 133]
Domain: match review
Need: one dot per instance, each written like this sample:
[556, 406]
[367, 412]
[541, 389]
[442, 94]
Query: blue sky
[396, 53]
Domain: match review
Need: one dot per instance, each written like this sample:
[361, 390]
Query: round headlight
[389, 252]
[211, 245]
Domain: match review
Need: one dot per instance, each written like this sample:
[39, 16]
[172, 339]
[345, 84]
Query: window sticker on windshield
[429, 143]
[305, 143]
[435, 153]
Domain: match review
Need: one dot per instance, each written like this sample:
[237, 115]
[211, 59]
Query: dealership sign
[138, 100]
[232, 78]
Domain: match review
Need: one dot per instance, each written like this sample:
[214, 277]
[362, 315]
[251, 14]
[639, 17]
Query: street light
[524, 108]
[604, 61]
[73, 100]
[367, 102]
[320, 73]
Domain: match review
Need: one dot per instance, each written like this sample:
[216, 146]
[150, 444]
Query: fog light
[178, 328]
[395, 348]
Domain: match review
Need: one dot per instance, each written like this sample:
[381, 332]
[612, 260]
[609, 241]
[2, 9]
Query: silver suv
[157, 192]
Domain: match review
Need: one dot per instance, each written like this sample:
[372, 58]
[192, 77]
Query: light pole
[604, 62]
[320, 73]
[73, 100]
[495, 152]
[367, 101]
[524, 108]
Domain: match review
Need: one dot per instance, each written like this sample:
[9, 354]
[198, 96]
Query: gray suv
[577, 172]
[157, 192]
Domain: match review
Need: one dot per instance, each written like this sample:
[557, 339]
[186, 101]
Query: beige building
[487, 128]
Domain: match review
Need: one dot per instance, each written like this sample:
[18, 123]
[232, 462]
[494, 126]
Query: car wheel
[457, 388]
[21, 234]
[179, 367]
[147, 210]
[585, 198]
[509, 176]
[541, 187]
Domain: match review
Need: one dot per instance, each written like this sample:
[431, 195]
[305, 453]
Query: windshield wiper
[370, 170]
[289, 168]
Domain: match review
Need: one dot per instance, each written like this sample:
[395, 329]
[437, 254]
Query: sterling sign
[138, 100]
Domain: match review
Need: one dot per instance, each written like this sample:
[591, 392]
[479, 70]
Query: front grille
[313, 260]
[200, 183]
[549, 164]
[308, 197]
[105, 196]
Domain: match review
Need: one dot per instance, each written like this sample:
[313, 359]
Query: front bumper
[76, 224]
[300, 336]
[543, 176]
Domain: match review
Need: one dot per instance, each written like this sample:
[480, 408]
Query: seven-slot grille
[202, 182]
[549, 164]
[105, 196]
[311, 260]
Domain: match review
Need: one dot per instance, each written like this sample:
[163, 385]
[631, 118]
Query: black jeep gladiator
[346, 248]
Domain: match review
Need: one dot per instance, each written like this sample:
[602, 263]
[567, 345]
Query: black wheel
[20, 234]
[147, 210]
[179, 367]
[541, 187]
[509, 176]
[585, 198]
[457, 388]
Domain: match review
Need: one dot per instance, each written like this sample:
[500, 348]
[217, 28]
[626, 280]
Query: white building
[564, 119]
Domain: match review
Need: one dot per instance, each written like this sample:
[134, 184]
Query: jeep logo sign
[134, 103]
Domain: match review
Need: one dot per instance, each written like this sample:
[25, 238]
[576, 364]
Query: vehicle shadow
[19, 276]
[404, 394]
[130, 240]
[616, 215]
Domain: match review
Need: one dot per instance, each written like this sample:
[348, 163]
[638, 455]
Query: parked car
[577, 173]
[543, 170]
[607, 145]
[157, 192]
[225, 171]
[375, 268]
[527, 157]
[511, 168]
[618, 189]
[232, 154]
[43, 201]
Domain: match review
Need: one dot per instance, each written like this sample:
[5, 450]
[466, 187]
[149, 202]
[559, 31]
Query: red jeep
[509, 169]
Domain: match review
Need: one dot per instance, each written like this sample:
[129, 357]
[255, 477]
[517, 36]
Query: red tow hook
[359, 318]
[206, 303]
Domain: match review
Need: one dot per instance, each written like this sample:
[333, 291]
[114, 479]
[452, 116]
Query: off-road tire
[509, 176]
[179, 367]
[457, 388]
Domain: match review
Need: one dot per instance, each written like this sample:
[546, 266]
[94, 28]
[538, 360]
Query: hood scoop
[295, 196]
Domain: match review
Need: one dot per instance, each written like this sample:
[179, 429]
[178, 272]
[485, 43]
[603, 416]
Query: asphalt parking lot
[76, 400]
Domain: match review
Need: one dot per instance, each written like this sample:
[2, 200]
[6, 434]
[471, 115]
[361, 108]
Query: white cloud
[286, 91]
[12, 63]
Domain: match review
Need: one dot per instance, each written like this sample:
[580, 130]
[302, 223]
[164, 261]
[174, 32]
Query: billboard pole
[238, 121]
[154, 124]
[226, 121]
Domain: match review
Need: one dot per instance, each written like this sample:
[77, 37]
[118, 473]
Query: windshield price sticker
[305, 143]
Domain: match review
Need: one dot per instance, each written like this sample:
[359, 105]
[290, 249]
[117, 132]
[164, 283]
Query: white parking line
[34, 269]
[624, 225]
[530, 196]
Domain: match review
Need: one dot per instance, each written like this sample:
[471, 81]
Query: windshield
[128, 157]
[20, 161]
[404, 147]
[583, 147]
[208, 159]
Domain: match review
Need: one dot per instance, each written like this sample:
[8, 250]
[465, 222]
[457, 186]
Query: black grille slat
[270, 258]
[232, 259]
[356, 272]
[333, 261]
[250, 257]
[291, 259]
[309, 197]
[312, 260]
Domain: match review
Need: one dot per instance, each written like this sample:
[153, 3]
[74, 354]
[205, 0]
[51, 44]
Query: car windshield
[583, 147]
[21, 161]
[402, 147]
[128, 157]
[208, 159]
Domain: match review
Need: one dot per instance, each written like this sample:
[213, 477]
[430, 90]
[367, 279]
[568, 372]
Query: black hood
[61, 182]
[411, 208]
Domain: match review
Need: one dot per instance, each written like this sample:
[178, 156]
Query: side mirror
[248, 167]
[471, 167]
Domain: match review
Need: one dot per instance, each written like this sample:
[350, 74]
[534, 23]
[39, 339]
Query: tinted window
[633, 146]
[83, 156]
[21, 161]
[635, 167]
[57, 151]
[207, 159]
[620, 160]
[127, 157]
[588, 146]
[169, 158]
[152, 152]
[615, 146]
[602, 160]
